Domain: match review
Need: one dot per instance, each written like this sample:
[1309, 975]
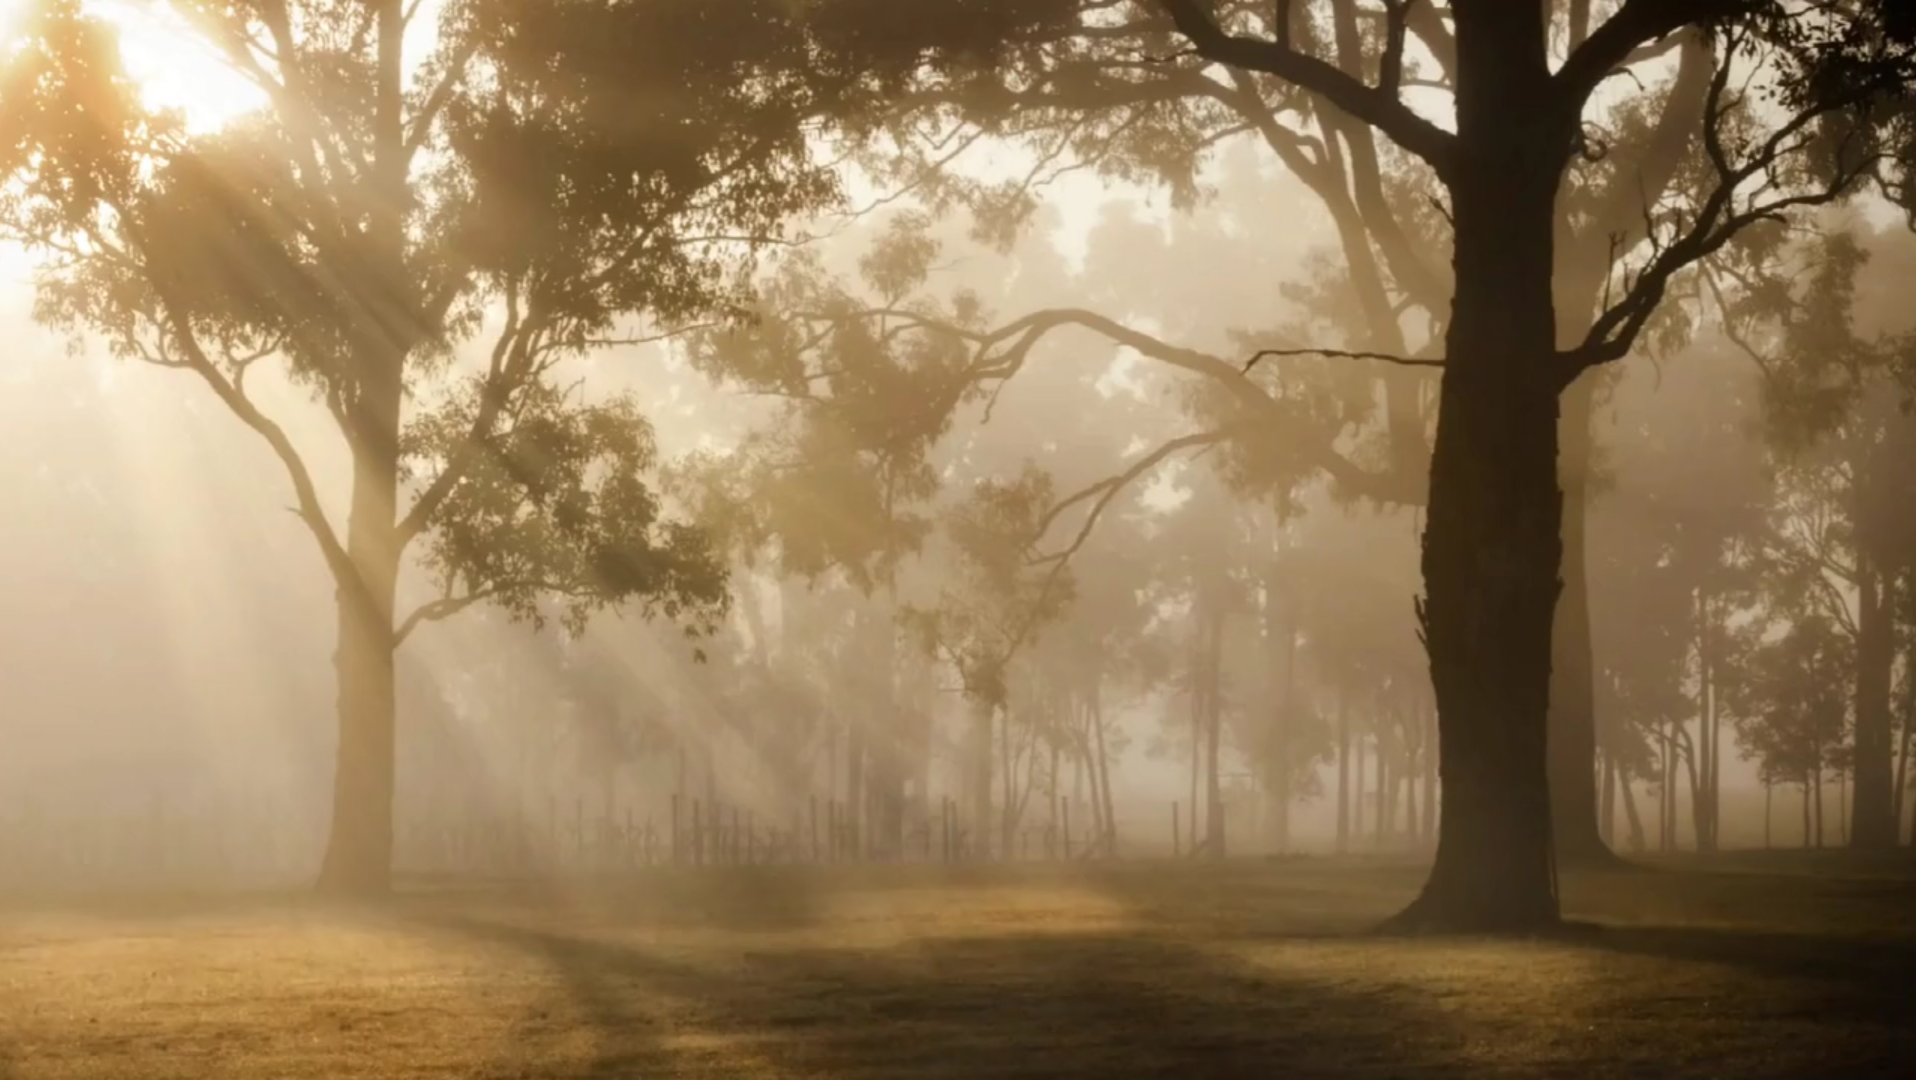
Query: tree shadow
[1861, 979]
[1019, 1005]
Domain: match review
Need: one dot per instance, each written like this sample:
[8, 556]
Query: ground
[1748, 968]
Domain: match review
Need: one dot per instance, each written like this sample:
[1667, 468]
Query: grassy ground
[1747, 968]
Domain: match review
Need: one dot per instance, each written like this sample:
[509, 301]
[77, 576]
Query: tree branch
[1718, 220]
[1610, 46]
[1373, 105]
[1108, 489]
[435, 610]
[1341, 354]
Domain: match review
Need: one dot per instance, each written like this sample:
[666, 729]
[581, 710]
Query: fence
[700, 832]
[265, 845]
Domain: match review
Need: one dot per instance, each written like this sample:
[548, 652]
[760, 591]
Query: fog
[169, 626]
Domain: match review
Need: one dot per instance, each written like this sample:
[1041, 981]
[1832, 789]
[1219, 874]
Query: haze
[619, 538]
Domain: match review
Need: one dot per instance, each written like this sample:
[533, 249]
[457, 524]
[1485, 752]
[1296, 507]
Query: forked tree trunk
[1493, 538]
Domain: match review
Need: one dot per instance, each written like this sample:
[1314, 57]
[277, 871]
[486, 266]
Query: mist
[759, 472]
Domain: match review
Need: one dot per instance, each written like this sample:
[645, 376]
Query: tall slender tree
[422, 240]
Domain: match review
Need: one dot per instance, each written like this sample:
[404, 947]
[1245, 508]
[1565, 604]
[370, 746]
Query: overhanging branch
[1377, 106]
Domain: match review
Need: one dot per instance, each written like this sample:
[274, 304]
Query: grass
[1747, 968]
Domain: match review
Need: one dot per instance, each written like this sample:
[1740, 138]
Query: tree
[1074, 88]
[554, 171]
[1492, 544]
[1835, 422]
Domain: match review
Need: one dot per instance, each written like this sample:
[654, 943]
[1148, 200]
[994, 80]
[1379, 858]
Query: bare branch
[1719, 219]
[1341, 354]
[435, 610]
[1612, 45]
[1373, 105]
[1108, 489]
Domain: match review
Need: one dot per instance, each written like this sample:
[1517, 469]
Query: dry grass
[1751, 969]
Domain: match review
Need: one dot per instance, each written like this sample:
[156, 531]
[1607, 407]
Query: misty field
[1751, 968]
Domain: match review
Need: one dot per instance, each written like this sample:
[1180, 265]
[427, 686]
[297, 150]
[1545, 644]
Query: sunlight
[176, 67]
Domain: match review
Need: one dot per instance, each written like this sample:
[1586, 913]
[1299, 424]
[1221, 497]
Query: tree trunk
[1493, 541]
[1343, 771]
[1630, 814]
[978, 755]
[1381, 827]
[1214, 824]
[1101, 776]
[1607, 816]
[1428, 717]
[856, 793]
[1573, 722]
[1280, 750]
[1197, 732]
[1902, 757]
[1806, 813]
[1357, 791]
[1703, 771]
[1769, 815]
[1873, 823]
[358, 859]
[1816, 779]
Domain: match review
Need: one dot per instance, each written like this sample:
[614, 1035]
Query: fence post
[1177, 834]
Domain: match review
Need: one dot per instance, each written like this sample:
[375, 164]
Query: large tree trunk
[1493, 538]
[1573, 722]
[358, 859]
[1873, 823]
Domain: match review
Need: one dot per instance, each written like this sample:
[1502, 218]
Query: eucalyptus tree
[1493, 542]
[420, 227]
[1108, 84]
[1841, 437]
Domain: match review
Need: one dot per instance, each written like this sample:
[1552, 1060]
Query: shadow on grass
[1023, 1005]
[1864, 979]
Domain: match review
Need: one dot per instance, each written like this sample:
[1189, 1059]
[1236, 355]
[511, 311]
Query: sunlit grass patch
[1248, 969]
